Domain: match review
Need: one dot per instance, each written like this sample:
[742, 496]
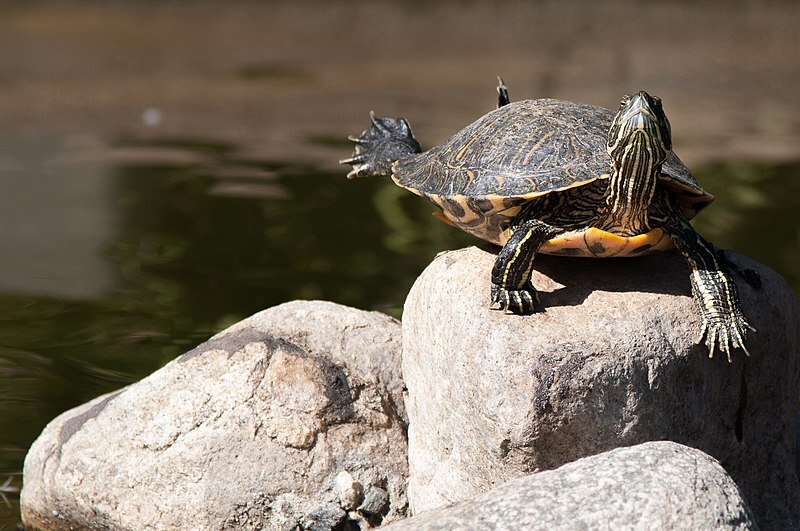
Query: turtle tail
[385, 142]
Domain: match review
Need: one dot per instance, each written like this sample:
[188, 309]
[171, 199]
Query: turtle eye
[625, 100]
[657, 101]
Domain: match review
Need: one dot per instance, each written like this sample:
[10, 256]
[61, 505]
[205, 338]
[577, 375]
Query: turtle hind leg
[385, 142]
[502, 93]
[512, 289]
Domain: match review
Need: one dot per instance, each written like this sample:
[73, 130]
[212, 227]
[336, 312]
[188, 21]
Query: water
[194, 251]
[166, 175]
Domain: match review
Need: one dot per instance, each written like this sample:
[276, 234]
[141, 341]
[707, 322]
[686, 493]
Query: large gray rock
[291, 417]
[610, 363]
[656, 485]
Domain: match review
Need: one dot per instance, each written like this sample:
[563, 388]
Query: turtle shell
[481, 176]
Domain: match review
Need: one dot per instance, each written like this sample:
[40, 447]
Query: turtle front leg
[713, 290]
[512, 289]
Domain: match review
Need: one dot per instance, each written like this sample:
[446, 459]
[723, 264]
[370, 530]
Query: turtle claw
[725, 334]
[377, 148]
[522, 301]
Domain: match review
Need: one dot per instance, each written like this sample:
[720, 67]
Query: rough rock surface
[655, 485]
[284, 419]
[611, 362]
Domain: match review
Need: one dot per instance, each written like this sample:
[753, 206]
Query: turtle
[564, 178]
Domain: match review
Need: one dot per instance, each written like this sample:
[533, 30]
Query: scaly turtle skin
[563, 178]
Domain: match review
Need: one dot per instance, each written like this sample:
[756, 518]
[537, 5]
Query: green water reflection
[756, 213]
[202, 245]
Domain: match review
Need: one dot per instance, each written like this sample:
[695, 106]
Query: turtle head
[640, 124]
[639, 141]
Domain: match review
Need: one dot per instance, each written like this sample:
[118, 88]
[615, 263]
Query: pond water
[129, 238]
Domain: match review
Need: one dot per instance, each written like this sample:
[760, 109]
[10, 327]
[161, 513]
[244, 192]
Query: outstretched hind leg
[379, 146]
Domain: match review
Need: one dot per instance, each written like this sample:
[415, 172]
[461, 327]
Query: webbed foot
[728, 334]
[522, 301]
[384, 142]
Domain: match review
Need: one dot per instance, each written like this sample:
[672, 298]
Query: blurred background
[168, 168]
